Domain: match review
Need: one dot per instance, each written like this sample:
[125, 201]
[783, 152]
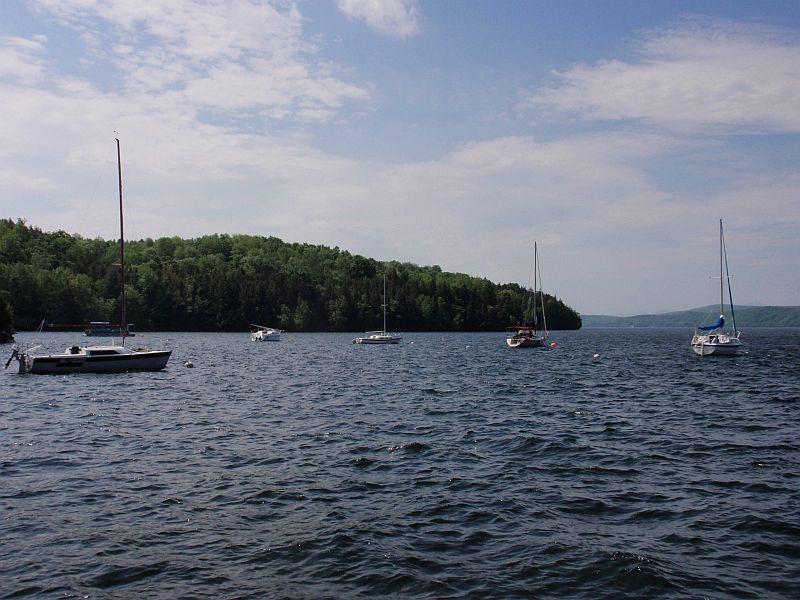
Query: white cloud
[712, 75]
[396, 18]
[613, 238]
[12, 181]
[21, 58]
[211, 55]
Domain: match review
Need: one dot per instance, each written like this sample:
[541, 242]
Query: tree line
[225, 282]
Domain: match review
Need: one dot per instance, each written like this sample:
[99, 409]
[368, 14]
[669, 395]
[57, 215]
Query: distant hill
[746, 316]
[226, 282]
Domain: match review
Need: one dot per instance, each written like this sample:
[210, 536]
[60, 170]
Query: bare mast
[728, 277]
[535, 262]
[721, 282]
[123, 328]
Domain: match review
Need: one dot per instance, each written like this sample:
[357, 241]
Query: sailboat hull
[66, 363]
[265, 336]
[527, 342]
[731, 347]
[378, 339]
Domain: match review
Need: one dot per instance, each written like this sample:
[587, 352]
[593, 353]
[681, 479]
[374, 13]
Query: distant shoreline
[746, 317]
[593, 327]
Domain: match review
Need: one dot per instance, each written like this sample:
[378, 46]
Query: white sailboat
[262, 333]
[527, 334]
[714, 340]
[380, 337]
[97, 359]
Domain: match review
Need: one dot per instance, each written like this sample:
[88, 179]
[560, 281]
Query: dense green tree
[6, 318]
[224, 282]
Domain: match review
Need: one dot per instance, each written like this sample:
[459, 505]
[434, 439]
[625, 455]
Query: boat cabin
[97, 350]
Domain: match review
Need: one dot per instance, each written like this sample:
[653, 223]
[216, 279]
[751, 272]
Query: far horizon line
[680, 310]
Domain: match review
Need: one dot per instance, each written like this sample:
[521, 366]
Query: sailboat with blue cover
[714, 339]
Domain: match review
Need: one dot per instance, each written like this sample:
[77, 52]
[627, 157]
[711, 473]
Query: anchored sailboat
[380, 337]
[97, 359]
[713, 339]
[263, 333]
[527, 334]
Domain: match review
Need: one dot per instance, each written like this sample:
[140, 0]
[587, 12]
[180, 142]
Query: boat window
[102, 352]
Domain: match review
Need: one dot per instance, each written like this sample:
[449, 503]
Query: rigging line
[721, 297]
[728, 277]
[541, 293]
[535, 262]
[526, 297]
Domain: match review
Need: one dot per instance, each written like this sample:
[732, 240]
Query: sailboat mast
[541, 295]
[721, 295]
[122, 325]
[728, 277]
[535, 262]
[384, 303]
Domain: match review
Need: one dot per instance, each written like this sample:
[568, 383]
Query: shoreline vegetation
[6, 318]
[225, 282]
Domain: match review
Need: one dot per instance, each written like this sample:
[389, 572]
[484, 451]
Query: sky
[615, 134]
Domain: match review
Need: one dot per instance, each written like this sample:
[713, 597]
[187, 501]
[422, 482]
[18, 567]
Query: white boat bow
[263, 333]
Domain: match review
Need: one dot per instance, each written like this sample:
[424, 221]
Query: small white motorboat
[262, 333]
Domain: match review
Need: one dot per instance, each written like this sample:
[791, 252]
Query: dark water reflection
[448, 466]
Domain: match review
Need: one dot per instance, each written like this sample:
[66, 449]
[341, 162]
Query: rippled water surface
[448, 466]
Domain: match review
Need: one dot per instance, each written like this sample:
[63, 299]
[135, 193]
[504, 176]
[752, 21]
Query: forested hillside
[222, 282]
[746, 316]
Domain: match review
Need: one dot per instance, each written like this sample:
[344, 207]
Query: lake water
[448, 466]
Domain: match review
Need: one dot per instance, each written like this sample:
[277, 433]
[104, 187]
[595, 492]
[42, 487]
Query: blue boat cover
[718, 325]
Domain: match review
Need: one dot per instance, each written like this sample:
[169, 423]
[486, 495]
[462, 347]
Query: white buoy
[596, 355]
[188, 364]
